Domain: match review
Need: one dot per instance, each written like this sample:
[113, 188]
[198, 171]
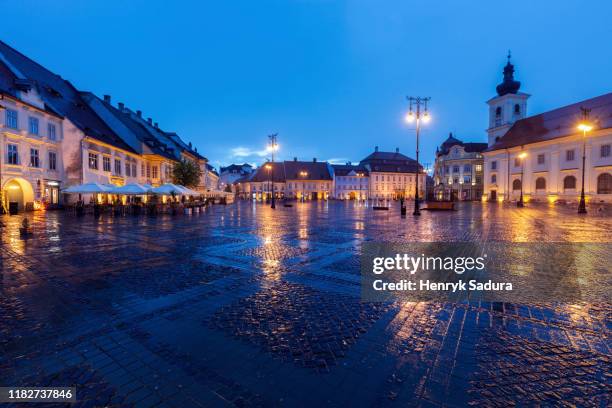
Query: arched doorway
[604, 183]
[18, 192]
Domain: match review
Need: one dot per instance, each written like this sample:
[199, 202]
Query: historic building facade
[351, 182]
[459, 170]
[229, 175]
[54, 136]
[392, 175]
[31, 166]
[294, 179]
[541, 155]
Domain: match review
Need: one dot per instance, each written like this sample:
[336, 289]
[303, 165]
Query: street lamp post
[303, 174]
[272, 147]
[269, 168]
[585, 126]
[418, 116]
[521, 156]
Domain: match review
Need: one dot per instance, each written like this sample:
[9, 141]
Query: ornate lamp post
[418, 116]
[272, 147]
[521, 156]
[585, 126]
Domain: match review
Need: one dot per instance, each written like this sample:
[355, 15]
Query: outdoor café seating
[134, 199]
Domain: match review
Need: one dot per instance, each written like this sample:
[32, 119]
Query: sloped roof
[315, 170]
[276, 172]
[390, 162]
[557, 123]
[211, 169]
[469, 147]
[344, 169]
[236, 167]
[292, 170]
[59, 95]
[134, 127]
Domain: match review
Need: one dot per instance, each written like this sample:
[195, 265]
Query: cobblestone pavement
[246, 306]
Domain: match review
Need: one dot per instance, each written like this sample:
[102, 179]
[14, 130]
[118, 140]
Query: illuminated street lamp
[585, 126]
[272, 148]
[269, 168]
[521, 156]
[417, 116]
[303, 174]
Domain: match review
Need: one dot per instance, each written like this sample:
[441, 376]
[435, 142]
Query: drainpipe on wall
[508, 176]
[82, 167]
[1, 155]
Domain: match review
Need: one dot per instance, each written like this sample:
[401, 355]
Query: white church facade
[542, 155]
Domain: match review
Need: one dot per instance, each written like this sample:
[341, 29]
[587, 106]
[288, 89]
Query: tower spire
[509, 85]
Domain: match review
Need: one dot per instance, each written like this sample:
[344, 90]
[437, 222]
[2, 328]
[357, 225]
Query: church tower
[507, 107]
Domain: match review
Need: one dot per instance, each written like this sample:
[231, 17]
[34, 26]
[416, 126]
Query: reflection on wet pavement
[247, 306]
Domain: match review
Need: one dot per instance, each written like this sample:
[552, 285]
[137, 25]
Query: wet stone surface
[246, 306]
[311, 328]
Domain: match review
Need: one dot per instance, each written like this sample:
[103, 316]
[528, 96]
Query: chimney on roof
[397, 150]
[139, 113]
[295, 159]
[314, 159]
[120, 105]
[375, 148]
[190, 145]
[149, 121]
[156, 125]
[195, 149]
[107, 98]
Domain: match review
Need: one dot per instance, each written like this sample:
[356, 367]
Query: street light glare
[426, 117]
[409, 117]
[522, 155]
[585, 127]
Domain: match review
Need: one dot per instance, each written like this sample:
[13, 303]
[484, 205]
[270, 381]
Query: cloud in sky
[242, 152]
[339, 160]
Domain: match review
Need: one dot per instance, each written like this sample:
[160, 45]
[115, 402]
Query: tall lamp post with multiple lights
[521, 156]
[585, 126]
[418, 102]
[272, 148]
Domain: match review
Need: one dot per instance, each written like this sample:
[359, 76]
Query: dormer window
[517, 109]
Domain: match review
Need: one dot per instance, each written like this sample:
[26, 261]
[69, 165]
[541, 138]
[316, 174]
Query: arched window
[516, 184]
[569, 183]
[498, 111]
[493, 178]
[604, 183]
[517, 109]
[541, 183]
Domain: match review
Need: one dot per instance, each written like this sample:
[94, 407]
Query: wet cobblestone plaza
[248, 306]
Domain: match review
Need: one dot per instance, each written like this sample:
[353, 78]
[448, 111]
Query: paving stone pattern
[247, 306]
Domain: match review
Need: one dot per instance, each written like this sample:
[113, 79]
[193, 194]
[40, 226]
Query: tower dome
[509, 85]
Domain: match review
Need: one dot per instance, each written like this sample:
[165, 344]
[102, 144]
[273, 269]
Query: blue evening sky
[329, 76]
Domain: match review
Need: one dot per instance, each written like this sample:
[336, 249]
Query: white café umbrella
[168, 189]
[188, 191]
[88, 188]
[130, 189]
